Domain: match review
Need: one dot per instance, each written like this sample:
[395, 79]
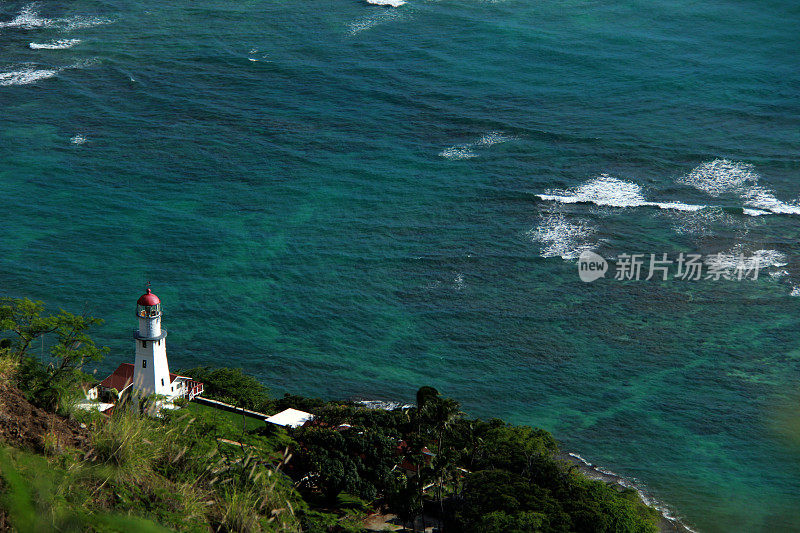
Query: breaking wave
[722, 176]
[494, 137]
[366, 23]
[458, 152]
[79, 23]
[58, 44]
[26, 76]
[611, 192]
[390, 3]
[30, 74]
[29, 18]
[465, 151]
[761, 258]
[702, 223]
[563, 238]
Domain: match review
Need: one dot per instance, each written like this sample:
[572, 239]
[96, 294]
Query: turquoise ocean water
[341, 198]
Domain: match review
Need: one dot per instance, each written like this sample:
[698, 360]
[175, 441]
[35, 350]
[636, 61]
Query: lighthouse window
[144, 344]
[162, 382]
[144, 363]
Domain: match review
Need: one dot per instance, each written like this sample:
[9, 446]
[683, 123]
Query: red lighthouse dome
[148, 299]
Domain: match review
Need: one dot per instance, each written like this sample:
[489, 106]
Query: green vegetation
[52, 383]
[202, 469]
[231, 385]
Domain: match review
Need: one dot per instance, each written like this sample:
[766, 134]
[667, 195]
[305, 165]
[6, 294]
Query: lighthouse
[150, 367]
[149, 374]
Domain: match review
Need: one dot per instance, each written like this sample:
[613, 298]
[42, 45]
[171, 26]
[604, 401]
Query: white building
[149, 374]
[292, 418]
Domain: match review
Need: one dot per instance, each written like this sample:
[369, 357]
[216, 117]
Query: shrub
[231, 385]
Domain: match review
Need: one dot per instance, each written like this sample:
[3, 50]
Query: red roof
[148, 298]
[120, 378]
[123, 376]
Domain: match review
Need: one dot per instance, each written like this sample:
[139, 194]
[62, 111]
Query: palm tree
[436, 414]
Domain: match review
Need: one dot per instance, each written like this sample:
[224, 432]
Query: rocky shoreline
[668, 523]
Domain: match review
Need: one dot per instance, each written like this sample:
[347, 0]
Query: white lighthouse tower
[150, 368]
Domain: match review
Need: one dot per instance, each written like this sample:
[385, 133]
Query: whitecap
[795, 291]
[26, 76]
[612, 192]
[28, 18]
[390, 3]
[764, 200]
[29, 74]
[494, 137]
[563, 238]
[366, 23]
[755, 212]
[458, 152]
[82, 22]
[77, 139]
[465, 151]
[722, 176]
[702, 223]
[58, 44]
[738, 257]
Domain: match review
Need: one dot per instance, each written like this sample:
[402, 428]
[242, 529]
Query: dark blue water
[341, 198]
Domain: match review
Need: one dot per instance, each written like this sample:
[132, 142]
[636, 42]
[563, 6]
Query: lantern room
[148, 305]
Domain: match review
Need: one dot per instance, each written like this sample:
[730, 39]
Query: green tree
[233, 386]
[357, 462]
[436, 415]
[22, 321]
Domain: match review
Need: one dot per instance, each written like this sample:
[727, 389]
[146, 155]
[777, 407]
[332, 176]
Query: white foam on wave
[29, 18]
[702, 223]
[494, 137]
[764, 201]
[561, 237]
[612, 192]
[389, 3]
[58, 44]
[754, 212]
[458, 152]
[778, 274]
[82, 22]
[770, 258]
[795, 291]
[722, 176]
[735, 256]
[26, 76]
[579, 458]
[369, 22]
[78, 139]
[29, 74]
[466, 150]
